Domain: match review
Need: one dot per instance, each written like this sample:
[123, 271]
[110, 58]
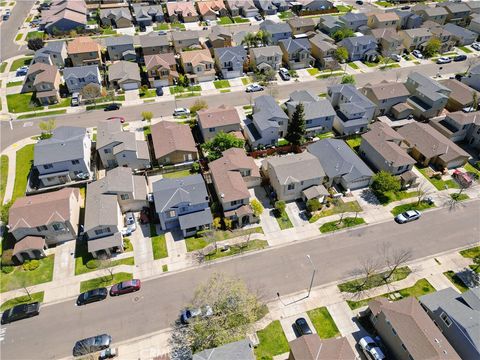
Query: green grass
[108, 31]
[240, 20]
[18, 37]
[161, 26]
[178, 26]
[3, 176]
[34, 34]
[323, 323]
[187, 95]
[159, 243]
[223, 91]
[465, 49]
[283, 220]
[272, 341]
[313, 71]
[470, 168]
[148, 94]
[353, 65]
[456, 281]
[20, 278]
[343, 8]
[421, 287]
[165, 268]
[180, 89]
[61, 104]
[237, 249]
[326, 135]
[221, 84]
[374, 281]
[354, 142]
[471, 253]
[345, 223]
[177, 174]
[24, 160]
[391, 196]
[82, 257]
[247, 107]
[284, 15]
[100, 107]
[198, 242]
[20, 62]
[329, 74]
[438, 183]
[412, 206]
[38, 296]
[3, 67]
[39, 114]
[103, 281]
[246, 80]
[283, 142]
[384, 3]
[370, 64]
[193, 243]
[340, 207]
[459, 197]
[224, 20]
[18, 103]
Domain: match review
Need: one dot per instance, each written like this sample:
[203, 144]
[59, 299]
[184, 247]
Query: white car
[396, 57]
[444, 60]
[130, 221]
[476, 46]
[368, 345]
[408, 216]
[181, 111]
[417, 54]
[254, 88]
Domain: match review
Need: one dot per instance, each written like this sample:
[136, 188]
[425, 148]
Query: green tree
[384, 182]
[348, 79]
[47, 128]
[256, 207]
[147, 115]
[263, 37]
[296, 127]
[198, 105]
[313, 205]
[250, 40]
[432, 47]
[35, 43]
[341, 54]
[183, 81]
[221, 142]
[384, 61]
[342, 33]
[280, 206]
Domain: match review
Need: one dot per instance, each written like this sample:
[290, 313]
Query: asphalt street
[285, 269]
[26, 128]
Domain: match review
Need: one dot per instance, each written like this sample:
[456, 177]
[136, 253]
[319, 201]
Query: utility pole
[313, 275]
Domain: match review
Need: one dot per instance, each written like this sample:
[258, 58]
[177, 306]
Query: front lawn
[3, 176]
[20, 62]
[38, 296]
[465, 49]
[246, 80]
[221, 84]
[149, 93]
[391, 196]
[353, 65]
[62, 103]
[339, 225]
[323, 323]
[14, 83]
[373, 281]
[337, 207]
[272, 341]
[343, 8]
[161, 26]
[456, 280]
[193, 243]
[238, 249]
[104, 281]
[18, 103]
[471, 253]
[177, 26]
[224, 20]
[198, 242]
[438, 183]
[24, 160]
[313, 71]
[240, 20]
[20, 278]
[159, 243]
[423, 205]
[177, 174]
[283, 220]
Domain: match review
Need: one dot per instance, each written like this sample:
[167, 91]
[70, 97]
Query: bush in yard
[280, 206]
[221, 142]
[92, 264]
[313, 205]
[6, 269]
[195, 168]
[4, 212]
[197, 106]
[348, 79]
[30, 265]
[147, 115]
[228, 223]
[35, 43]
[7, 257]
[384, 182]
[217, 223]
[257, 207]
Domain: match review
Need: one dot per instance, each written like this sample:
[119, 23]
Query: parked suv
[370, 347]
[92, 344]
[284, 74]
[75, 99]
[20, 312]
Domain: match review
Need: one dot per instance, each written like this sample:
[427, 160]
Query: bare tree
[91, 92]
[393, 259]
[422, 191]
[369, 267]
[106, 264]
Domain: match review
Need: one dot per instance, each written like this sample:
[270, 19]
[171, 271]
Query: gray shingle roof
[195, 219]
[233, 54]
[123, 71]
[296, 167]
[352, 94]
[293, 45]
[266, 109]
[80, 71]
[118, 40]
[100, 209]
[314, 107]
[358, 41]
[154, 40]
[275, 28]
[352, 17]
[459, 31]
[65, 144]
[239, 350]
[107, 242]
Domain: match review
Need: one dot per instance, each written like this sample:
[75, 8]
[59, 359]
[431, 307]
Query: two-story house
[64, 157]
[472, 77]
[383, 20]
[354, 21]
[182, 11]
[120, 48]
[461, 96]
[323, 52]
[457, 12]
[441, 33]
[459, 126]
[360, 48]
[475, 23]
[183, 40]
[182, 204]
[389, 42]
[300, 25]
[460, 35]
[153, 44]
[245, 8]
[116, 17]
[232, 175]
[230, 61]
[222, 119]
[385, 95]
[278, 31]
[64, 16]
[220, 37]
[408, 19]
[436, 14]
[173, 143]
[161, 69]
[211, 9]
[264, 58]
[44, 80]
[413, 38]
[145, 15]
[53, 53]
[296, 53]
[84, 50]
[79, 76]
[198, 65]
[266, 7]
[124, 75]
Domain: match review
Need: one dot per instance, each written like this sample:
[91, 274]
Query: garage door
[157, 83]
[130, 86]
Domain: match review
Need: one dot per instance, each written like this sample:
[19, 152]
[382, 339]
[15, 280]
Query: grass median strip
[422, 205]
[323, 323]
[376, 280]
[23, 164]
[40, 114]
[159, 244]
[272, 341]
[103, 281]
[237, 249]
[343, 224]
[283, 220]
[38, 296]
[3, 176]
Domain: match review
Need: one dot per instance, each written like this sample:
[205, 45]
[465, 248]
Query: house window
[107, 151]
[291, 186]
[41, 228]
[58, 227]
[47, 166]
[102, 231]
[404, 347]
[446, 319]
[124, 196]
[172, 213]
[211, 129]
[235, 202]
[75, 162]
[393, 331]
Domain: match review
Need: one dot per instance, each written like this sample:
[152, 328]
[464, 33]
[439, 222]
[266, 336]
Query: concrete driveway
[267, 220]
[287, 325]
[295, 211]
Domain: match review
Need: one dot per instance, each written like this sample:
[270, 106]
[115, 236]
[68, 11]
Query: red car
[125, 287]
[121, 118]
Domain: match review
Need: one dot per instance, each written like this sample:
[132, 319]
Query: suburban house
[278, 31]
[354, 21]
[296, 53]
[389, 42]
[436, 14]
[53, 53]
[117, 147]
[311, 347]
[161, 69]
[64, 15]
[185, 40]
[154, 44]
[319, 113]
[323, 52]
[64, 157]
[230, 61]
[413, 38]
[457, 13]
[182, 11]
[222, 119]
[354, 110]
[461, 95]
[300, 25]
[282, 5]
[329, 24]
[173, 143]
[44, 80]
[244, 8]
[43, 220]
[310, 7]
[458, 318]
[441, 33]
[383, 20]
[242, 349]
[461, 35]
[119, 17]
[182, 203]
[460, 126]
[474, 6]
[84, 50]
[264, 58]
[211, 9]
[383, 148]
[341, 165]
[232, 175]
[360, 48]
[386, 95]
[408, 19]
[269, 123]
[79, 76]
[266, 7]
[475, 23]
[198, 65]
[120, 48]
[472, 78]
[220, 37]
[429, 147]
[292, 174]
[407, 331]
[428, 98]
[145, 15]
[124, 75]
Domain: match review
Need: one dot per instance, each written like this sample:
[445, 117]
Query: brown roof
[47, 74]
[204, 7]
[29, 243]
[465, 118]
[300, 22]
[196, 57]
[461, 93]
[386, 90]
[186, 8]
[414, 327]
[168, 137]
[41, 209]
[386, 16]
[82, 44]
[311, 347]
[164, 60]
[221, 116]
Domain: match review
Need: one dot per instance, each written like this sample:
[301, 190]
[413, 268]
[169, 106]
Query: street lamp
[313, 275]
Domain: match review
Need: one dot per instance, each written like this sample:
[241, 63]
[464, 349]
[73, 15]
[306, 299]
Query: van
[75, 99]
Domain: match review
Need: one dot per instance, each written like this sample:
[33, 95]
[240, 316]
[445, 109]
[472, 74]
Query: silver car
[408, 216]
[92, 344]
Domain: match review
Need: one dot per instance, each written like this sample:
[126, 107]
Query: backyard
[23, 164]
[177, 174]
[272, 341]
[20, 62]
[20, 278]
[323, 323]
[104, 281]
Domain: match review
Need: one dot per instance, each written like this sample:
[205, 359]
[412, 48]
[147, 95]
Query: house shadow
[368, 196]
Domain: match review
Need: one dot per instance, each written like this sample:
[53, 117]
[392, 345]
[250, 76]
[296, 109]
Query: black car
[405, 7]
[359, 2]
[460, 58]
[301, 326]
[92, 344]
[159, 91]
[112, 107]
[92, 296]
[20, 312]
[258, 17]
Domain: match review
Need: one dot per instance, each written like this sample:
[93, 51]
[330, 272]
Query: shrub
[280, 206]
[195, 168]
[92, 264]
[6, 269]
[257, 207]
[7, 257]
[30, 265]
[313, 205]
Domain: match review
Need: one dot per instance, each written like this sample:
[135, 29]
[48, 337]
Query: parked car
[458, 77]
[254, 88]
[92, 344]
[284, 74]
[460, 58]
[369, 346]
[121, 118]
[407, 216]
[92, 296]
[130, 221]
[35, 22]
[418, 54]
[181, 111]
[301, 326]
[396, 57]
[162, 32]
[6, 16]
[444, 60]
[159, 91]
[112, 107]
[359, 2]
[258, 17]
[476, 46]
[22, 71]
[20, 312]
[75, 101]
[189, 314]
[405, 7]
[125, 287]
[107, 354]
